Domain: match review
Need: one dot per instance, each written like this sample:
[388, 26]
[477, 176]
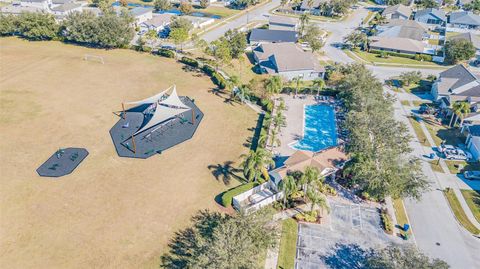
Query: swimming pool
[319, 128]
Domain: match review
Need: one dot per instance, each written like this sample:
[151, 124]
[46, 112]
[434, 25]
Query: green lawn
[288, 244]
[374, 58]
[419, 132]
[436, 166]
[473, 200]
[465, 166]
[439, 133]
[418, 103]
[400, 213]
[458, 211]
[422, 86]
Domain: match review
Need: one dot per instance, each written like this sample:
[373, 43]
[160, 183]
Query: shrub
[166, 53]
[189, 61]
[228, 195]
[219, 80]
[386, 221]
[208, 70]
[309, 216]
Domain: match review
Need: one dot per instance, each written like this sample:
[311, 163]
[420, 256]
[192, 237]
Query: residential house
[199, 22]
[328, 162]
[402, 36]
[282, 23]
[456, 84]
[16, 9]
[288, 60]
[473, 140]
[474, 39]
[311, 5]
[397, 12]
[41, 4]
[463, 21]
[141, 14]
[261, 36]
[431, 16]
[67, 8]
[158, 22]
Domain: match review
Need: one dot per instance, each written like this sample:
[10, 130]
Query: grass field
[288, 244]
[459, 213]
[422, 138]
[111, 212]
[473, 200]
[435, 165]
[400, 214]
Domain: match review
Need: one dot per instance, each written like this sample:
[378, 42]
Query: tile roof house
[315, 4]
[141, 14]
[282, 23]
[473, 140]
[67, 8]
[464, 20]
[456, 84]
[287, 60]
[260, 36]
[397, 12]
[431, 16]
[16, 9]
[403, 29]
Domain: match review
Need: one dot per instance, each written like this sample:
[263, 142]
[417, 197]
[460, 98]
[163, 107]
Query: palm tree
[459, 109]
[273, 85]
[288, 185]
[319, 84]
[316, 198]
[254, 163]
[304, 20]
[279, 120]
[298, 81]
[310, 177]
[274, 140]
[281, 106]
[283, 3]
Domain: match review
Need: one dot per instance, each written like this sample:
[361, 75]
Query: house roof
[159, 20]
[405, 23]
[286, 57]
[66, 7]
[470, 37]
[138, 11]
[411, 30]
[401, 9]
[398, 43]
[474, 130]
[439, 13]
[60, 2]
[34, 1]
[282, 20]
[301, 159]
[465, 17]
[17, 9]
[316, 3]
[266, 35]
[455, 77]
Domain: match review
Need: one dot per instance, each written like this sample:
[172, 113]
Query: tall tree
[179, 36]
[304, 20]
[458, 50]
[289, 186]
[204, 3]
[317, 199]
[393, 257]
[185, 7]
[37, 26]
[313, 36]
[310, 178]
[217, 240]
[162, 4]
[180, 22]
[255, 162]
[273, 85]
[408, 78]
[319, 84]
[460, 110]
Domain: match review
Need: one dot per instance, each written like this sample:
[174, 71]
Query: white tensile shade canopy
[164, 110]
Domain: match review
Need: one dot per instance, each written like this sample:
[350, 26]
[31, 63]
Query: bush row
[228, 195]
[386, 221]
[418, 57]
[190, 62]
[309, 216]
[166, 53]
[216, 77]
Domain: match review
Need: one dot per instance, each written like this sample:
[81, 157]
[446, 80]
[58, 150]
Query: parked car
[426, 109]
[457, 154]
[444, 148]
[471, 175]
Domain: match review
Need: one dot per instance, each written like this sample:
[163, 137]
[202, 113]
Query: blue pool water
[320, 130]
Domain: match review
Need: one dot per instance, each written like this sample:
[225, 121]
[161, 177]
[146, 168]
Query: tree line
[378, 144]
[107, 31]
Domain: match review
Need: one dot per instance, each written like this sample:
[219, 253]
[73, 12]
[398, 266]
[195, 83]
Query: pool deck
[294, 117]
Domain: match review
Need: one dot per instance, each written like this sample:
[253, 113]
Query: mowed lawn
[111, 212]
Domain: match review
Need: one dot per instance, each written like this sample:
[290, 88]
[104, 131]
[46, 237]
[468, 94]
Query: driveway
[344, 240]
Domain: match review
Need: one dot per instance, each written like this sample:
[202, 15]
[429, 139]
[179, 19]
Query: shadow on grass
[256, 135]
[225, 172]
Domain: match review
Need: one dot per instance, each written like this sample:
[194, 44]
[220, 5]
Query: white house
[473, 140]
[397, 12]
[158, 22]
[65, 9]
[199, 22]
[42, 4]
[141, 14]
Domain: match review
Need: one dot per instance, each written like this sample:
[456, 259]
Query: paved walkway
[448, 180]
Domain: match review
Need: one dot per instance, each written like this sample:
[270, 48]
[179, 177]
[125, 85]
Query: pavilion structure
[155, 124]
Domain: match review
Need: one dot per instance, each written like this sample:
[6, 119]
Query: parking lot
[343, 241]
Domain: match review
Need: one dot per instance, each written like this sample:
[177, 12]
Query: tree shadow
[347, 256]
[256, 134]
[225, 172]
[188, 242]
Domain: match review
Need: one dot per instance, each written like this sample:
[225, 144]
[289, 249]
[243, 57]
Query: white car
[444, 148]
[457, 154]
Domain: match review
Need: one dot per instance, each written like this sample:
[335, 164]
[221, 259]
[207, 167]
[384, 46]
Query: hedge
[386, 221]
[166, 53]
[216, 77]
[418, 57]
[189, 61]
[228, 195]
[208, 70]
